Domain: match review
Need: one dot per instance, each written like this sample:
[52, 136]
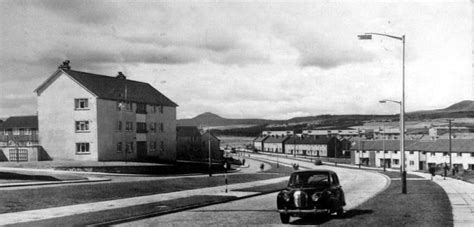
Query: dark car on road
[311, 192]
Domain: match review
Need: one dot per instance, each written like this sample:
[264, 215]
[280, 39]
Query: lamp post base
[404, 182]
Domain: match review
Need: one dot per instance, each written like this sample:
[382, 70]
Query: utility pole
[383, 145]
[450, 150]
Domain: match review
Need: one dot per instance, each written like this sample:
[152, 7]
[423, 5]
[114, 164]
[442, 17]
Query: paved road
[358, 186]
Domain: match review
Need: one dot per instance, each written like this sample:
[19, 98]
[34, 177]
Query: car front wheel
[285, 218]
[340, 212]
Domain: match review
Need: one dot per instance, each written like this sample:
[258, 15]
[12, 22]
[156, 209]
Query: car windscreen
[309, 179]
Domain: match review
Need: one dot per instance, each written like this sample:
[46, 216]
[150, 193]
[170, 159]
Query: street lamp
[368, 36]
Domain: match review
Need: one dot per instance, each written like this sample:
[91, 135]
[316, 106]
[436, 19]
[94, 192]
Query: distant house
[310, 146]
[212, 143]
[277, 133]
[258, 142]
[275, 144]
[419, 155]
[188, 143]
[19, 130]
[84, 116]
[191, 145]
[19, 140]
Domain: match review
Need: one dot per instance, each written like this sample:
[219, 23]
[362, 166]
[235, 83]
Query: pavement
[461, 197]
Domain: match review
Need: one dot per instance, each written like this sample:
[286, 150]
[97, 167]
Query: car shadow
[320, 219]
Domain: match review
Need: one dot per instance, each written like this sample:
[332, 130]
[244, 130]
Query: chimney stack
[120, 76]
[65, 65]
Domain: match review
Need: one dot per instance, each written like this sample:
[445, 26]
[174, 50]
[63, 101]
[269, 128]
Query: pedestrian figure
[243, 161]
[432, 172]
[262, 166]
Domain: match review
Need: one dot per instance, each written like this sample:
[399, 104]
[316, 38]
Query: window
[162, 128]
[82, 126]
[153, 108]
[412, 152]
[471, 166]
[445, 153]
[424, 152]
[128, 126]
[412, 163]
[433, 153]
[82, 148]
[395, 152]
[141, 127]
[472, 154]
[118, 126]
[141, 108]
[395, 161]
[459, 154]
[16, 132]
[385, 152]
[119, 147]
[153, 127]
[152, 146]
[161, 108]
[162, 146]
[128, 106]
[81, 104]
[28, 131]
[129, 147]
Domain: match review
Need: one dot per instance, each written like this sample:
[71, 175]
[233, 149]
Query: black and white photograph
[236, 113]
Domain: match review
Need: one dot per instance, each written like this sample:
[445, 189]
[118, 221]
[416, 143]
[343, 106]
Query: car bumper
[300, 211]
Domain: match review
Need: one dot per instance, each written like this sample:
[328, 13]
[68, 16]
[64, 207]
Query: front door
[141, 150]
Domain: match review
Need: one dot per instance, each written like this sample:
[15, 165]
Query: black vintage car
[311, 192]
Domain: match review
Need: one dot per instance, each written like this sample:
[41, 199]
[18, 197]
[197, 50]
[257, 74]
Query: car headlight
[316, 196]
[286, 196]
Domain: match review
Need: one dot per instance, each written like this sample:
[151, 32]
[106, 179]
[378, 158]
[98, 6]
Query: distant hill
[211, 119]
[461, 109]
[466, 105]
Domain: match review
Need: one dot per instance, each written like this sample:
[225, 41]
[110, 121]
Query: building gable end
[53, 78]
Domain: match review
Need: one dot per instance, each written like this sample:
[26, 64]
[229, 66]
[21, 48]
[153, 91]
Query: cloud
[83, 11]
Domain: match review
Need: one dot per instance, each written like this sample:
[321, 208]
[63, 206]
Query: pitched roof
[442, 145]
[378, 145]
[206, 135]
[260, 138]
[113, 88]
[20, 122]
[307, 140]
[276, 139]
[187, 131]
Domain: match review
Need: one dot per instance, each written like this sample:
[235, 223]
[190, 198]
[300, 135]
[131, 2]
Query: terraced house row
[302, 145]
[419, 154]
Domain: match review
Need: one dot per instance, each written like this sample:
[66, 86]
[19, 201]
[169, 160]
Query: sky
[246, 59]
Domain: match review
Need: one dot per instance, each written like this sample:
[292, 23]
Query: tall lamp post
[368, 36]
[209, 149]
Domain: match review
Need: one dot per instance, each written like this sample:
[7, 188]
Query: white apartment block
[90, 117]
